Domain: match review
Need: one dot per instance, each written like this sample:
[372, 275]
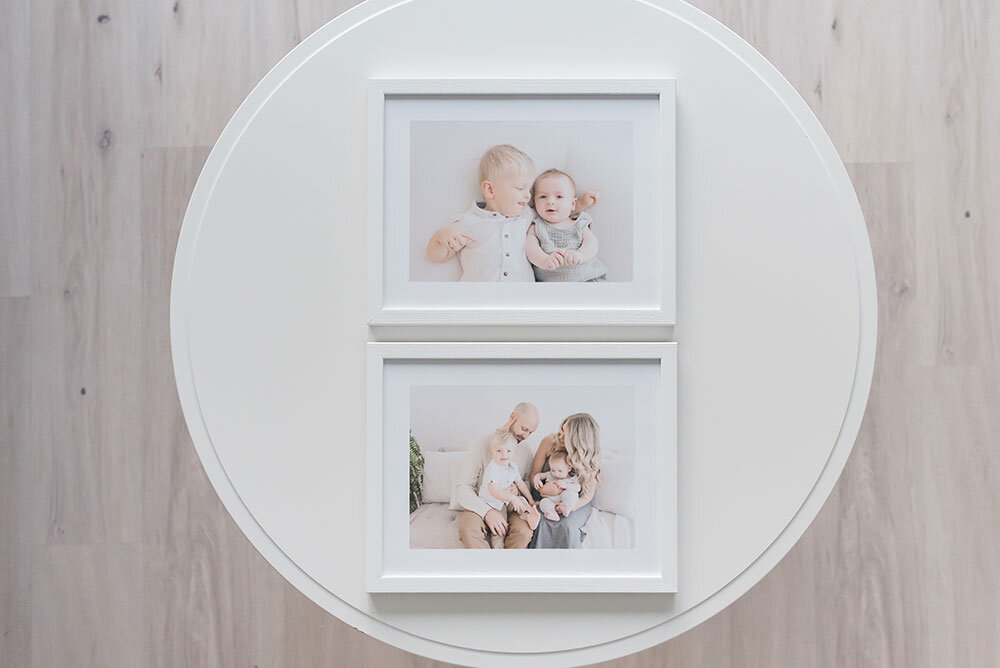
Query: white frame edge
[377, 352]
[379, 89]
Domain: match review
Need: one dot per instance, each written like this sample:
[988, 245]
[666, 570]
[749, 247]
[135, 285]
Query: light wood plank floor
[114, 550]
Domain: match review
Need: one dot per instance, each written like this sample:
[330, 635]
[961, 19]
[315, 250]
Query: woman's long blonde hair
[582, 445]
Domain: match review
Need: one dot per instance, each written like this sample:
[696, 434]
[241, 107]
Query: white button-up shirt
[498, 253]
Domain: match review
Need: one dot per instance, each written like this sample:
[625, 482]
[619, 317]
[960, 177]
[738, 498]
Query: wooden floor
[115, 551]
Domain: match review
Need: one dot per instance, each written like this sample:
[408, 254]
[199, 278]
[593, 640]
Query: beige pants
[474, 533]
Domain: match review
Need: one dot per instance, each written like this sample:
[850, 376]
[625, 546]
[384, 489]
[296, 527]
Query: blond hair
[582, 444]
[502, 159]
[559, 453]
[554, 172]
[501, 436]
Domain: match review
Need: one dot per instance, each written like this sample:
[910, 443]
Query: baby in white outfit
[560, 473]
[502, 485]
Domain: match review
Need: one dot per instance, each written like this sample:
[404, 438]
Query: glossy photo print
[529, 202]
[522, 467]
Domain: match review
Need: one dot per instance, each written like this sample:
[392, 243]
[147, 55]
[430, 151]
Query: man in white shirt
[478, 520]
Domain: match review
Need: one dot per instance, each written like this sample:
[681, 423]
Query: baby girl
[502, 485]
[561, 247]
[560, 473]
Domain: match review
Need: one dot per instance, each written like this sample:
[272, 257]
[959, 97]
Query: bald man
[478, 520]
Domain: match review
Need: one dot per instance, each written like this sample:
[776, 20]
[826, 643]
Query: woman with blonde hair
[578, 443]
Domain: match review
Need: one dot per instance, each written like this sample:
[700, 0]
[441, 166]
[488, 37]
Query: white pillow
[616, 494]
[440, 474]
[452, 447]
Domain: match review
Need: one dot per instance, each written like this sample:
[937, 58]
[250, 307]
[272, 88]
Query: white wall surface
[452, 417]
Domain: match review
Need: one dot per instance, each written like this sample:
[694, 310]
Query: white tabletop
[776, 313]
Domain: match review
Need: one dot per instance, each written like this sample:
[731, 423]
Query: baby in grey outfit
[560, 247]
[560, 473]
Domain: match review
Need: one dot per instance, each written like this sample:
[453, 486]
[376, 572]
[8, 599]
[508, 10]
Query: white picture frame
[650, 567]
[648, 298]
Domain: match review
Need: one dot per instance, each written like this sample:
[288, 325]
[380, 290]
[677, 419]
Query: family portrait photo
[522, 468]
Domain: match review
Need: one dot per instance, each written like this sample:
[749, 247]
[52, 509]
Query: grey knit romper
[552, 239]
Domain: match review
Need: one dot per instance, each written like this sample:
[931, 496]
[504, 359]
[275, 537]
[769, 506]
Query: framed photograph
[522, 202]
[522, 467]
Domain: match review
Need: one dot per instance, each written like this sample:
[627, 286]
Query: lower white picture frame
[634, 389]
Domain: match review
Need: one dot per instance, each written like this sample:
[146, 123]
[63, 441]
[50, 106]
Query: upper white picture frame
[613, 136]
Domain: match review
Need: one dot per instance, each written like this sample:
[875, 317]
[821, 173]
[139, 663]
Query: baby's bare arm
[501, 493]
[438, 252]
[523, 489]
[584, 202]
[551, 488]
[445, 243]
[536, 255]
[589, 247]
[521, 502]
[549, 485]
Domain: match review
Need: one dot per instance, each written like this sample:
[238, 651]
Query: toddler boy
[489, 237]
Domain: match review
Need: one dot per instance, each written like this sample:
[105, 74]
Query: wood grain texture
[14, 151]
[15, 483]
[81, 614]
[115, 551]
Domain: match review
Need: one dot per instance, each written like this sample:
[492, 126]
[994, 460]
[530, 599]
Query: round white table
[776, 313]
